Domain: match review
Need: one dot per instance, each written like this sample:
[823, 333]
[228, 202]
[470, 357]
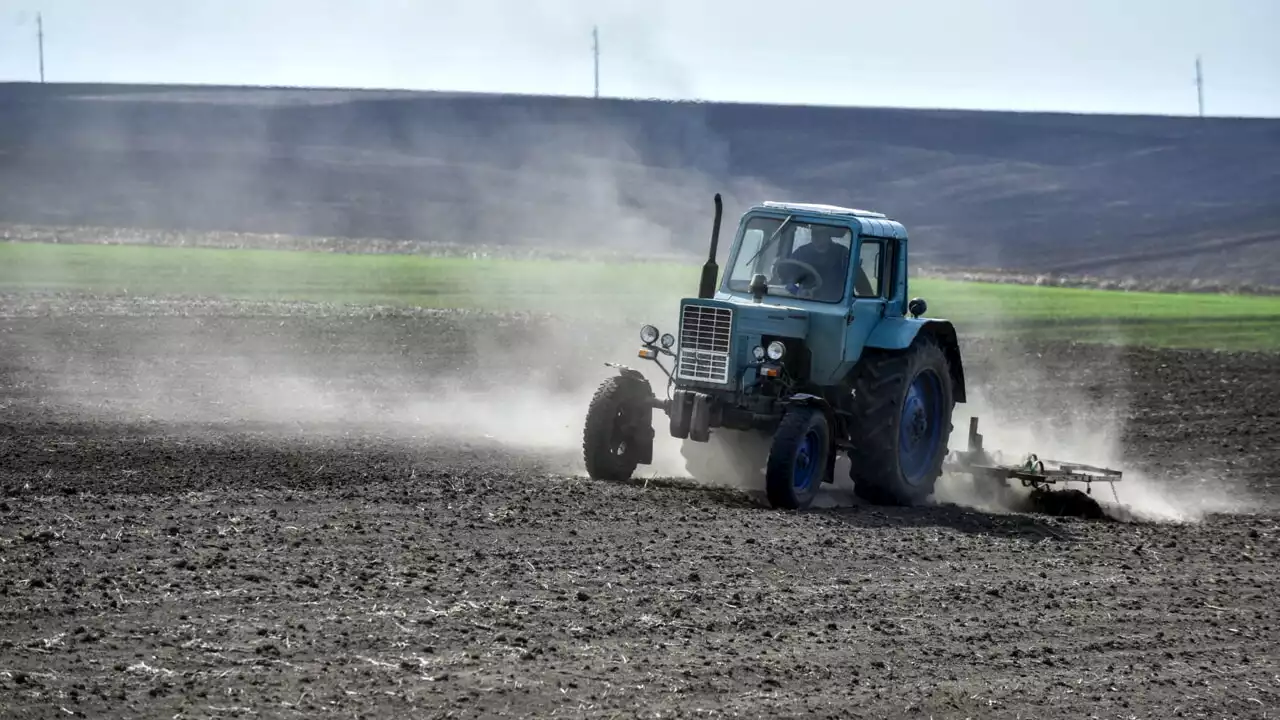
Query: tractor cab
[807, 252]
[806, 282]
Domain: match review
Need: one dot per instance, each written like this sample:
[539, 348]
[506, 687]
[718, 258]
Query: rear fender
[899, 333]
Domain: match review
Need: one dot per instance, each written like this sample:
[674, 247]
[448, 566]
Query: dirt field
[243, 510]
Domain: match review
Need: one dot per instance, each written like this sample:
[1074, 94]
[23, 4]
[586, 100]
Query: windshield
[802, 260]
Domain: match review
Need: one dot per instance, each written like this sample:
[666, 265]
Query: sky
[1092, 56]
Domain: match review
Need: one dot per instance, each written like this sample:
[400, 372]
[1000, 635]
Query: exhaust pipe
[710, 270]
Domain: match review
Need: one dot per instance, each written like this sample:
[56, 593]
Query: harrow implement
[1041, 475]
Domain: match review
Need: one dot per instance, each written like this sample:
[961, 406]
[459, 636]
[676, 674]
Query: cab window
[804, 235]
[798, 258]
[870, 278]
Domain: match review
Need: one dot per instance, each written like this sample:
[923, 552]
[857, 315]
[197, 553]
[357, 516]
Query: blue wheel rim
[920, 430]
[808, 456]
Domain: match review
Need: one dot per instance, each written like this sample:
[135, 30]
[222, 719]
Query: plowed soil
[219, 510]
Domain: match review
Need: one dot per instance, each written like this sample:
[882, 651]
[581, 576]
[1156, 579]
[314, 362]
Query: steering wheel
[813, 272]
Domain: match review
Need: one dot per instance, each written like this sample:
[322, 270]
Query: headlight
[758, 352]
[668, 340]
[777, 350]
[648, 334]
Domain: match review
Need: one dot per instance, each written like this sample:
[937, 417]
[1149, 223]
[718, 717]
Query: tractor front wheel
[901, 423]
[616, 420]
[799, 457]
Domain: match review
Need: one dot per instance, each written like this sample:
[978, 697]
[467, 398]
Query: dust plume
[1071, 414]
[494, 382]
[516, 380]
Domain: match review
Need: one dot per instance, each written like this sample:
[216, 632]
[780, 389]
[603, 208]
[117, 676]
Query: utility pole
[595, 55]
[40, 43]
[1199, 86]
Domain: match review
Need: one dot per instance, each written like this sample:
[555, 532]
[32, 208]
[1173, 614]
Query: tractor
[810, 343]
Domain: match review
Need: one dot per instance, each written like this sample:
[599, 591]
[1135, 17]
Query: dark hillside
[1102, 195]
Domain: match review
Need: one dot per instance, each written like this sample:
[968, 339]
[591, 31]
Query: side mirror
[759, 286]
[917, 307]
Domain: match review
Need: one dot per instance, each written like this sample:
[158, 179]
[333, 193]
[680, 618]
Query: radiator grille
[704, 343]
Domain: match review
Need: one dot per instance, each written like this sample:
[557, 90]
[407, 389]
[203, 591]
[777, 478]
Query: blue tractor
[808, 341]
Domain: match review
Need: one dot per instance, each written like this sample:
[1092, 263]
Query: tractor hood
[716, 336]
[751, 318]
[772, 319]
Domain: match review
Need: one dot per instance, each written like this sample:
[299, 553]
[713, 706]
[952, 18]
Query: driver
[827, 257]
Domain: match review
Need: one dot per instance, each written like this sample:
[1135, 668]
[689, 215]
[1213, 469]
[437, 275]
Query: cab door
[870, 291]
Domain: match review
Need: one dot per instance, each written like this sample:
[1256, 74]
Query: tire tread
[612, 395]
[879, 387]
[778, 472]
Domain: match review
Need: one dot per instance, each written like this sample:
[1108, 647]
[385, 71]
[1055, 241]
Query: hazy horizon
[1086, 56]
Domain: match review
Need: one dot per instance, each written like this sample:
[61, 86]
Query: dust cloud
[1023, 409]
[523, 389]
[519, 381]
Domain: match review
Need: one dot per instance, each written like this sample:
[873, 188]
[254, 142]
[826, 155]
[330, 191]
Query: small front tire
[611, 437]
[799, 459]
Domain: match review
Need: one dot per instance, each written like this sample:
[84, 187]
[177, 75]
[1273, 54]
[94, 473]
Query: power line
[1199, 86]
[595, 56]
[40, 43]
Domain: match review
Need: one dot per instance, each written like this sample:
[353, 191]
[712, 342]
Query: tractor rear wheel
[798, 459]
[615, 420]
[902, 407]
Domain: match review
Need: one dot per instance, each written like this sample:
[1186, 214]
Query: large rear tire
[798, 459]
[611, 436]
[902, 409]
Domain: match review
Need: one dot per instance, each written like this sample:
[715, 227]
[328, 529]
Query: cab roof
[820, 209]
[872, 223]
